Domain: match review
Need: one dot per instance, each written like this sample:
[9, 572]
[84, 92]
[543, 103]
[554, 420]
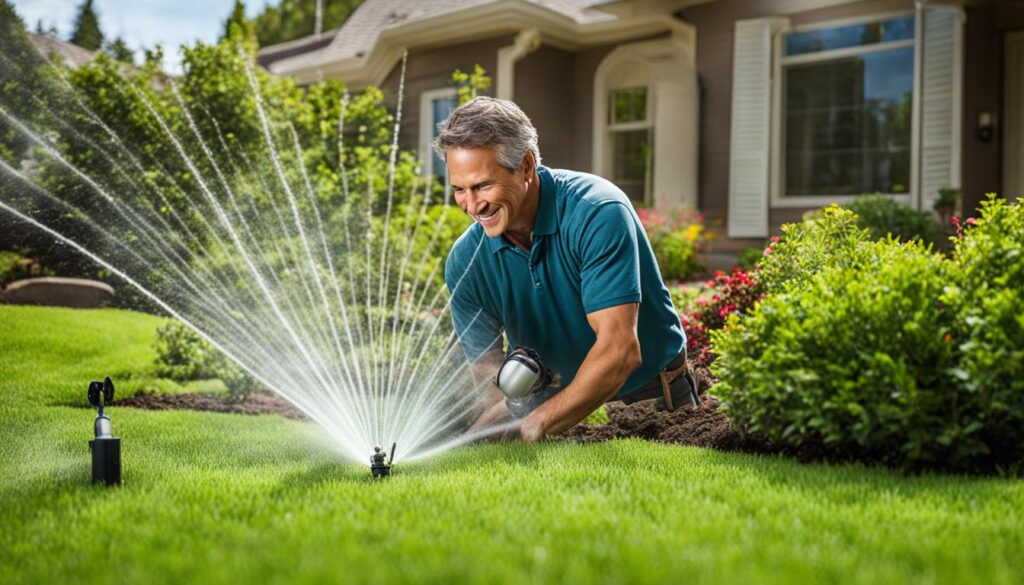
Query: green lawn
[229, 498]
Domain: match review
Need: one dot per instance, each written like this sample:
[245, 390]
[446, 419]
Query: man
[560, 262]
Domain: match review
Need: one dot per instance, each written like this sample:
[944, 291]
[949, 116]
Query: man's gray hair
[490, 122]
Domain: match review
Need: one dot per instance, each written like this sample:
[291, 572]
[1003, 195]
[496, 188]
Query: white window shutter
[941, 45]
[751, 129]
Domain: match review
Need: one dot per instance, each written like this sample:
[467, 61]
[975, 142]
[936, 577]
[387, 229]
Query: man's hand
[610, 361]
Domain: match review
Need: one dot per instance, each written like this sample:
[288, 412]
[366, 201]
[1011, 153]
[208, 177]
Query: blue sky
[142, 23]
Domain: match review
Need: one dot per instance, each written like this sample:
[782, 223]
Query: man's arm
[610, 361]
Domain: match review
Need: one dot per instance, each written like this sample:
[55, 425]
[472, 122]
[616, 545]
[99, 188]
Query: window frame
[427, 130]
[777, 197]
[646, 124]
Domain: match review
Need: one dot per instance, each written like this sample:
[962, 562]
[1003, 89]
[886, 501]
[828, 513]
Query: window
[435, 107]
[631, 142]
[847, 102]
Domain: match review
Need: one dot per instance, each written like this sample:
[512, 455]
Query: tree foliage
[293, 19]
[87, 33]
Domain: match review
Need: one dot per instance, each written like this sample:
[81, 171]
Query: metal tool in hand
[524, 380]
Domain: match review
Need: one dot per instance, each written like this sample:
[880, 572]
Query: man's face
[485, 190]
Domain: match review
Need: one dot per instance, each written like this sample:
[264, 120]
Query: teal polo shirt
[589, 252]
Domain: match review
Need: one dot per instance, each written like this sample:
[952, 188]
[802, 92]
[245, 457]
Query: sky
[142, 23]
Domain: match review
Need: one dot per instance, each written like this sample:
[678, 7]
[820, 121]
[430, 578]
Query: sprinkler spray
[106, 448]
[378, 467]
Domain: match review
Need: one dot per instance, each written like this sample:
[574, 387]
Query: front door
[1013, 106]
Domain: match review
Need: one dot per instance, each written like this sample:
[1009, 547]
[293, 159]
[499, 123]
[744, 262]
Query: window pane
[443, 108]
[847, 125]
[629, 105]
[869, 33]
[631, 162]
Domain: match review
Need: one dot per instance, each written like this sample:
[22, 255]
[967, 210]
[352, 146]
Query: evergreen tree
[87, 28]
[118, 49]
[238, 28]
[293, 19]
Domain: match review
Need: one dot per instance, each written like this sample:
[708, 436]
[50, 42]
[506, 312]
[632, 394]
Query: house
[70, 54]
[752, 111]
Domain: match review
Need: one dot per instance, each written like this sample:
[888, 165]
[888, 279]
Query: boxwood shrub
[882, 216]
[857, 359]
[832, 237]
[987, 296]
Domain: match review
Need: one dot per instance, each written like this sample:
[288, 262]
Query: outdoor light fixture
[106, 448]
[378, 467]
[986, 126]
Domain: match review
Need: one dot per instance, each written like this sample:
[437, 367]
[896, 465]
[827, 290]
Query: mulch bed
[701, 426]
[253, 404]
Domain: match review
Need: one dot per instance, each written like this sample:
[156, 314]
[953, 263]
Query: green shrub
[183, 355]
[987, 298]
[832, 237]
[675, 239]
[749, 258]
[858, 358]
[882, 216]
[13, 266]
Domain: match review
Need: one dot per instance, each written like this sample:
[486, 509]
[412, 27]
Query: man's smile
[486, 219]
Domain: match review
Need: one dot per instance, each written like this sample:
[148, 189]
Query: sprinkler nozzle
[378, 466]
[106, 448]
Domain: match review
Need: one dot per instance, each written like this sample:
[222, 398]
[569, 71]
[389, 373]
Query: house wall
[984, 32]
[429, 69]
[545, 92]
[583, 105]
[715, 22]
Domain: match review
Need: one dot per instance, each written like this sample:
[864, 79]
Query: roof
[360, 33]
[71, 55]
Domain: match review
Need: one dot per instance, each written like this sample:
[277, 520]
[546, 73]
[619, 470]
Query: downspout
[526, 41]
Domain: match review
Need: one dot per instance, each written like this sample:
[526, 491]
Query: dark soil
[253, 404]
[701, 426]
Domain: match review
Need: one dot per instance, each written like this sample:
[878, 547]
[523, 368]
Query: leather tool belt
[674, 385]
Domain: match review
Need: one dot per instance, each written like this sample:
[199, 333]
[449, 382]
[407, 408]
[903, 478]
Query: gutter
[526, 42]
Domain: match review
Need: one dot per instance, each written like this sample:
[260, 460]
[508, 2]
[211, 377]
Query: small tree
[87, 32]
[239, 29]
[119, 50]
[472, 84]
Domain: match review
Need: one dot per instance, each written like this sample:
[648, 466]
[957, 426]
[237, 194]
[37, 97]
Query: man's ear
[529, 165]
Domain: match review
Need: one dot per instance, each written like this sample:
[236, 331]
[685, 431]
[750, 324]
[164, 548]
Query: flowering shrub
[831, 237]
[883, 350]
[676, 239]
[733, 293]
[857, 358]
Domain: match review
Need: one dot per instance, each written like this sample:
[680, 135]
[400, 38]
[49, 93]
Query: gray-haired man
[559, 261]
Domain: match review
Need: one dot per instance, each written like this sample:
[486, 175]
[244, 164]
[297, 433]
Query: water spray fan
[106, 448]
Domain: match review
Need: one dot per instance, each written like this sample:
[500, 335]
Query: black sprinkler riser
[106, 460]
[105, 447]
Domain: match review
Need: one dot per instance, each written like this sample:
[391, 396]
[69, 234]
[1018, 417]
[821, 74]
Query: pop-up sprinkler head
[378, 466]
[106, 448]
